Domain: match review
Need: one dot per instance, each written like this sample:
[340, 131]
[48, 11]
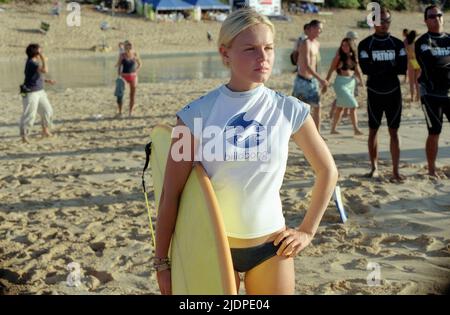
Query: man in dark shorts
[382, 58]
[433, 55]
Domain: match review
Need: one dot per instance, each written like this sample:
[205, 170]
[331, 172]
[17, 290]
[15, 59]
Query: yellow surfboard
[199, 251]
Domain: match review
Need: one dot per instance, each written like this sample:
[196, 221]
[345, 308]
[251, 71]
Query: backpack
[294, 54]
[294, 57]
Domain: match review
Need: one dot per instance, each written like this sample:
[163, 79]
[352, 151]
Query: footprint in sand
[98, 248]
[52, 278]
[356, 204]
[15, 277]
[103, 276]
[350, 183]
[360, 264]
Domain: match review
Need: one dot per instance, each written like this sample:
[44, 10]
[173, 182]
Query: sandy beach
[77, 197]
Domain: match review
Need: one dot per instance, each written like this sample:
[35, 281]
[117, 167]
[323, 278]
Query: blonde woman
[262, 246]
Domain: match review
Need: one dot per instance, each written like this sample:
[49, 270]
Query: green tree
[345, 4]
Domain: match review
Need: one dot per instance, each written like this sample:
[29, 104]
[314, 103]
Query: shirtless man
[307, 81]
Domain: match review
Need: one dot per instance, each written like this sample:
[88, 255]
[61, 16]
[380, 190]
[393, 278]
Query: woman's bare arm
[43, 68]
[358, 73]
[139, 62]
[333, 67]
[316, 152]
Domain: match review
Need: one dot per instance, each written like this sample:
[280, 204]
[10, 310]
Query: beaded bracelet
[158, 260]
[161, 267]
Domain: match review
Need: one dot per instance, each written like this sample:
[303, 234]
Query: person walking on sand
[345, 63]
[413, 66]
[120, 85]
[262, 246]
[353, 36]
[405, 34]
[307, 80]
[34, 98]
[382, 58]
[129, 65]
[433, 55]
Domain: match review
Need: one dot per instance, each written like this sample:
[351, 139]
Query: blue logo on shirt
[245, 133]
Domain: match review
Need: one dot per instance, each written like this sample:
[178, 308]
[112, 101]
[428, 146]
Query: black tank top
[128, 65]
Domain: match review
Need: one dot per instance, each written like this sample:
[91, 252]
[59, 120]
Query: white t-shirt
[243, 146]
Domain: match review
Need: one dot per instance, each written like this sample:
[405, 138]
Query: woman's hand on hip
[292, 242]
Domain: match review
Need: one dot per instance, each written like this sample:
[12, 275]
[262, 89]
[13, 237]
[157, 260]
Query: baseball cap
[352, 35]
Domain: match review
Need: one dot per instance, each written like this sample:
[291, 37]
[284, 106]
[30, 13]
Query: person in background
[382, 58]
[129, 65]
[308, 81]
[353, 36]
[413, 66]
[433, 55]
[120, 85]
[34, 98]
[404, 34]
[345, 63]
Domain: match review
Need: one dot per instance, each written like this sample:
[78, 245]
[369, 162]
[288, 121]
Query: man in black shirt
[433, 55]
[382, 58]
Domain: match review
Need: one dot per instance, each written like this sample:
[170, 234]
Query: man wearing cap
[352, 35]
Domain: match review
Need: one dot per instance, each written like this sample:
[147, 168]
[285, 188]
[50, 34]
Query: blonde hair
[238, 21]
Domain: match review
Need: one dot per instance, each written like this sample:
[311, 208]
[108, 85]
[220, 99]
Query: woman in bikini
[345, 63]
[129, 65]
[413, 66]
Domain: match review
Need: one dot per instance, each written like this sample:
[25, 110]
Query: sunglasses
[433, 16]
[385, 21]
